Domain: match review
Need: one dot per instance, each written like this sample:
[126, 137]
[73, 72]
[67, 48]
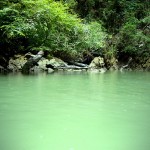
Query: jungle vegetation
[70, 28]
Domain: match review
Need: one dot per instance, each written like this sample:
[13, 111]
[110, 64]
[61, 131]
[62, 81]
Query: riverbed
[75, 111]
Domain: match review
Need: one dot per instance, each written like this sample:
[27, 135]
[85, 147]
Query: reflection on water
[75, 111]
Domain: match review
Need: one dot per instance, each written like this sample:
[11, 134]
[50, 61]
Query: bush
[93, 36]
[133, 40]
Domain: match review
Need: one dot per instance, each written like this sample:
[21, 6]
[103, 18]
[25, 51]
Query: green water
[108, 111]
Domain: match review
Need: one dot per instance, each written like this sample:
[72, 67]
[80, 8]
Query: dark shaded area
[32, 62]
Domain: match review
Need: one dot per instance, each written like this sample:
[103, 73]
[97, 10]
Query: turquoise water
[76, 111]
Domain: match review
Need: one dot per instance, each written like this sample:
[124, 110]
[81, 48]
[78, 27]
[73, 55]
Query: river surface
[65, 111]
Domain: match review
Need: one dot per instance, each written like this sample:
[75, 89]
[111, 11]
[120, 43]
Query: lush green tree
[47, 25]
[126, 21]
[53, 25]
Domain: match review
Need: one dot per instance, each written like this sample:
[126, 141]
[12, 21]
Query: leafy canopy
[49, 25]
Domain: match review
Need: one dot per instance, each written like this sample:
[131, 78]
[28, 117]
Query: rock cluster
[18, 62]
[40, 63]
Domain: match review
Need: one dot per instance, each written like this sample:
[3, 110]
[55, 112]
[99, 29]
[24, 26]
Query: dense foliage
[128, 22]
[56, 26]
[46, 25]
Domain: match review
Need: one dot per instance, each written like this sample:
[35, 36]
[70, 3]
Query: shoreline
[35, 63]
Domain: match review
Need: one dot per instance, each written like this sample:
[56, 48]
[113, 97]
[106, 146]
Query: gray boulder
[97, 65]
[48, 65]
[42, 65]
[31, 62]
[97, 62]
[56, 62]
[16, 63]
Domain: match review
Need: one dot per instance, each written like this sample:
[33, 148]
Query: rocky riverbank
[30, 63]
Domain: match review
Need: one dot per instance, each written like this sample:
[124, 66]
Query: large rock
[43, 65]
[48, 65]
[97, 65]
[17, 62]
[31, 62]
[56, 62]
[97, 62]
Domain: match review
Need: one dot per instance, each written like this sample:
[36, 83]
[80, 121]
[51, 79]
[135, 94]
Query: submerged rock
[94, 70]
[50, 70]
